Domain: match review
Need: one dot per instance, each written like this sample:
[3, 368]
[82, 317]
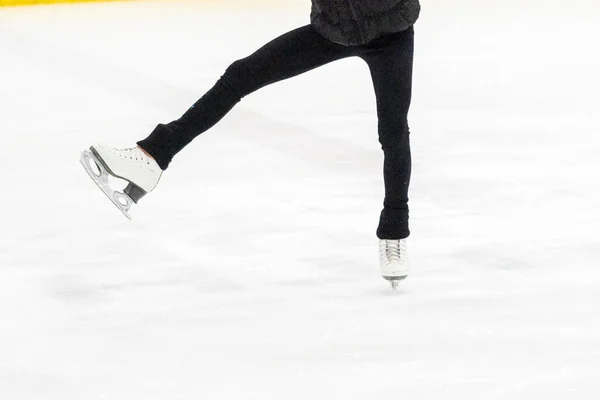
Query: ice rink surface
[252, 271]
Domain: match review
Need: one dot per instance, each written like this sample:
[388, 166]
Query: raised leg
[289, 55]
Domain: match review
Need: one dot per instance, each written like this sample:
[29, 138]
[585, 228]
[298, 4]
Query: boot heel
[134, 192]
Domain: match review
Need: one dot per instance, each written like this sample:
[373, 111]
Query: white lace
[132, 153]
[392, 251]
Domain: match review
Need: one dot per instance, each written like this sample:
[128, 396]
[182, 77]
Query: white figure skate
[140, 171]
[393, 259]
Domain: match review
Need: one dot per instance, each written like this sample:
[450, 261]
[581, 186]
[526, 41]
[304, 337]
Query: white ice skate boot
[133, 165]
[393, 260]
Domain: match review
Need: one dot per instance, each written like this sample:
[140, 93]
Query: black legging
[390, 60]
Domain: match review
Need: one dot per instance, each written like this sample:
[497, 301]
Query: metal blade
[122, 201]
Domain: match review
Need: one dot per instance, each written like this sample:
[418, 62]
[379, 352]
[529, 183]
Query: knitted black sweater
[355, 22]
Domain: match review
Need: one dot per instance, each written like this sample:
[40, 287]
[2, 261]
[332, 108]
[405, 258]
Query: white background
[251, 272]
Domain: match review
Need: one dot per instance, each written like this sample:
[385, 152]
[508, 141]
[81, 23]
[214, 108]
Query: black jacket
[354, 22]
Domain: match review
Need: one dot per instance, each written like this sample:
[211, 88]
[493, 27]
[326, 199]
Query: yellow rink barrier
[34, 2]
[236, 3]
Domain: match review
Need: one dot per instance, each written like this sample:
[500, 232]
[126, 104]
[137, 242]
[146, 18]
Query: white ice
[276, 294]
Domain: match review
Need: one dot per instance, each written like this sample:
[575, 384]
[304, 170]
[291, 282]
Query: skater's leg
[390, 60]
[289, 55]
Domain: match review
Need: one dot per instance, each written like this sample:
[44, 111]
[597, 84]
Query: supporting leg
[391, 61]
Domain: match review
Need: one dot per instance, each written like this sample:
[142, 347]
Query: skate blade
[394, 281]
[120, 200]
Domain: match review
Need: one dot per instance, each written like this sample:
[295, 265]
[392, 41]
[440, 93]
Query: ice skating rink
[276, 294]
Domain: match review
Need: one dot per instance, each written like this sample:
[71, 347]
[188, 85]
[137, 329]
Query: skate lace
[392, 250]
[133, 153]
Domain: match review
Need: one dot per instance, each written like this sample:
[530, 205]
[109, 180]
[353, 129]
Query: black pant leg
[289, 55]
[390, 61]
